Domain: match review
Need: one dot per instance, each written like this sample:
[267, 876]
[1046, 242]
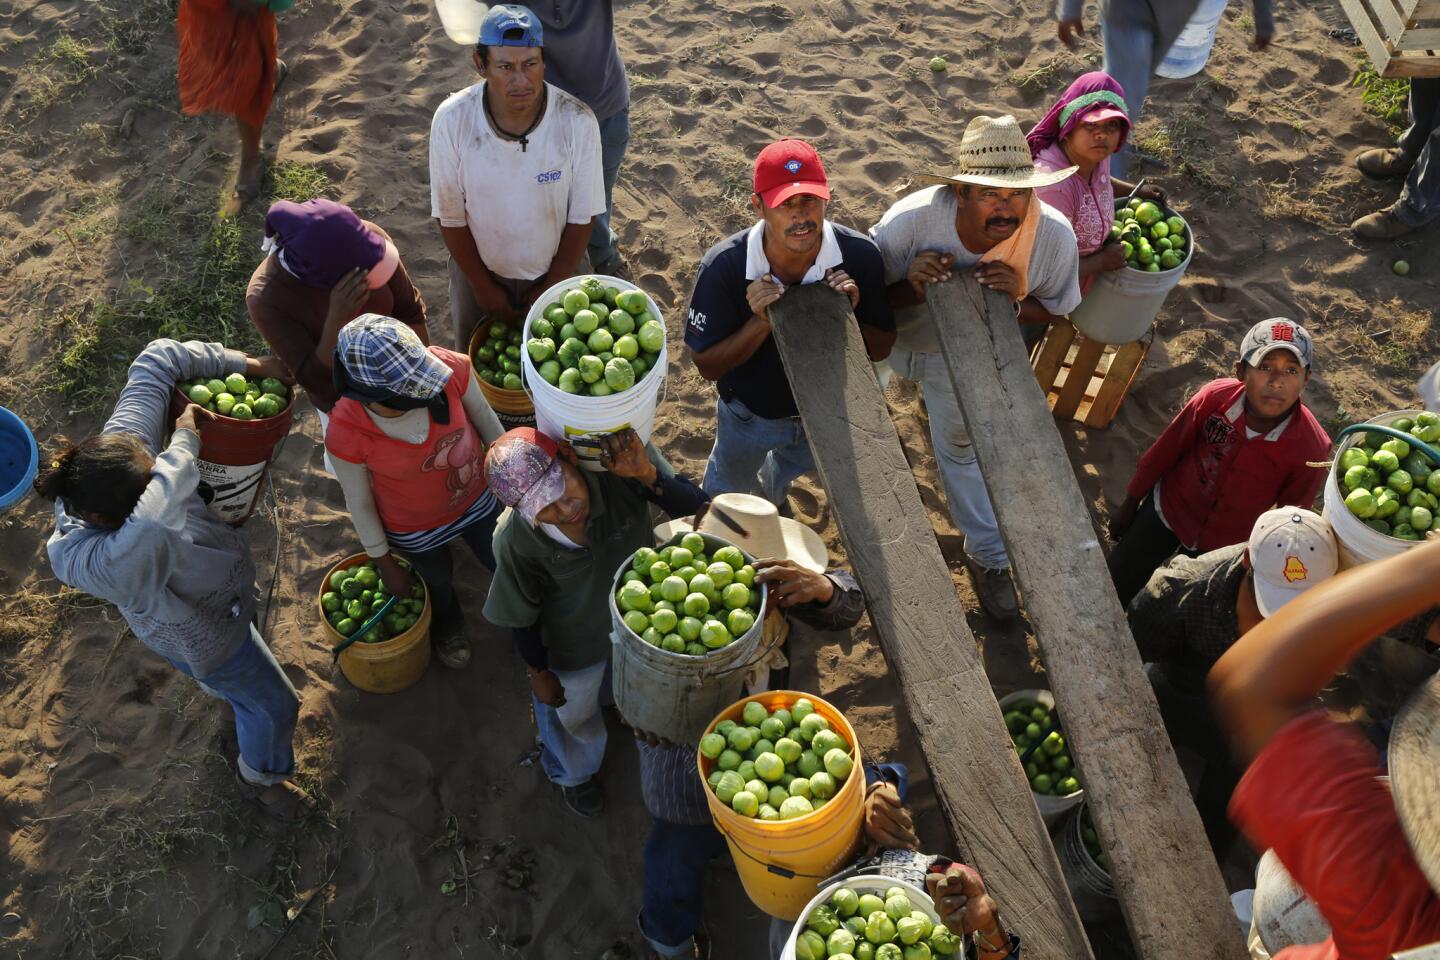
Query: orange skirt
[227, 60]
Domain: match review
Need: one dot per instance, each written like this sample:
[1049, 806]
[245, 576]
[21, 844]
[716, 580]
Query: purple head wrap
[321, 240]
[1089, 93]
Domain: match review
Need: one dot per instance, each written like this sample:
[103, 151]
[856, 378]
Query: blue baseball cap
[505, 17]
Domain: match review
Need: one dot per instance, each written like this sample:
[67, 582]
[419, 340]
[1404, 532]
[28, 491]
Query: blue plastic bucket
[19, 459]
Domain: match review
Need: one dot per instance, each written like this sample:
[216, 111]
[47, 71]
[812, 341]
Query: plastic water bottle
[1192, 48]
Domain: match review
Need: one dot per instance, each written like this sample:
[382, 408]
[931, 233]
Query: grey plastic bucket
[1090, 886]
[1052, 808]
[672, 695]
[1122, 304]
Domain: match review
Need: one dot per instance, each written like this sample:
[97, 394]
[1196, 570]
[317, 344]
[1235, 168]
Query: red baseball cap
[789, 167]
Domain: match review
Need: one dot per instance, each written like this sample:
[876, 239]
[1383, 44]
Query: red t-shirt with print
[416, 486]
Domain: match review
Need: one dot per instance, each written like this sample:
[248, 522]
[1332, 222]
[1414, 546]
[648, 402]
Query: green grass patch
[1385, 98]
[208, 262]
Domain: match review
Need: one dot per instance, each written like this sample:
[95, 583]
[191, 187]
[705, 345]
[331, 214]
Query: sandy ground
[119, 832]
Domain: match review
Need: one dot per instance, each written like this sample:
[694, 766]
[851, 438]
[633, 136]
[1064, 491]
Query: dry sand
[119, 831]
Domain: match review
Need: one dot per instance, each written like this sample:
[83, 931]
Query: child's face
[1274, 385]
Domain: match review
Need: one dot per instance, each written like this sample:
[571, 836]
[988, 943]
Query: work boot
[995, 589]
[452, 647]
[1384, 163]
[586, 798]
[1381, 225]
[286, 801]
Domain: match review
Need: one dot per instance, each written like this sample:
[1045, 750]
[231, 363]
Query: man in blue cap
[515, 177]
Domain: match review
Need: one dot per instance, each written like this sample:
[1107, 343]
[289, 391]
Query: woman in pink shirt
[1085, 129]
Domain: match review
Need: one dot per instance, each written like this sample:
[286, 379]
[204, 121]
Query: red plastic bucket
[235, 458]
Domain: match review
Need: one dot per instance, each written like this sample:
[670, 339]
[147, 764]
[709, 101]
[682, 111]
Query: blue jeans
[614, 138]
[573, 736]
[265, 706]
[1420, 198]
[1129, 58]
[676, 858]
[755, 455]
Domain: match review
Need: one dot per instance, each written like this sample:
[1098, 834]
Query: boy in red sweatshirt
[1238, 448]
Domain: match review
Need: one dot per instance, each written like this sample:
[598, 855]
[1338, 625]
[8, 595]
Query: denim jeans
[676, 858]
[1420, 198]
[437, 568]
[265, 706]
[1129, 58]
[965, 491]
[753, 454]
[572, 736]
[604, 245]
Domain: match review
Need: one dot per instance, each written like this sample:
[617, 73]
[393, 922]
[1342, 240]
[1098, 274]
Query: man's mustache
[1002, 221]
[807, 225]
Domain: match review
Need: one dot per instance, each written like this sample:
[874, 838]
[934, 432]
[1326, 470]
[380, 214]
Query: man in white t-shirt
[515, 177]
[982, 218]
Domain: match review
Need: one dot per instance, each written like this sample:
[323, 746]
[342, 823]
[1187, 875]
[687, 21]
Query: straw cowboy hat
[1414, 757]
[994, 153]
[755, 526]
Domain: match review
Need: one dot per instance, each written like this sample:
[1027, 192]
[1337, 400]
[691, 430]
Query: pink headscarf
[1090, 92]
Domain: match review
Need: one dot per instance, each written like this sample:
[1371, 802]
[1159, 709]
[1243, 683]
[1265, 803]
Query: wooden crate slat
[1426, 39]
[1389, 18]
[1399, 36]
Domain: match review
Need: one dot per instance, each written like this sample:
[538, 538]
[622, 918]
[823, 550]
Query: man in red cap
[760, 445]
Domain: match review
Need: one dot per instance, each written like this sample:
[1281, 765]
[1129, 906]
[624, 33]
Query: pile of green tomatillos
[681, 600]
[777, 764]
[866, 926]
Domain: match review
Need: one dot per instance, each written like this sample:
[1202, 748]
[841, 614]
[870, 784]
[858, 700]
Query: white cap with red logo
[1274, 334]
[1291, 550]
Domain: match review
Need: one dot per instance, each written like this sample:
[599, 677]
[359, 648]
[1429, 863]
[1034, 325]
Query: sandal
[285, 801]
[282, 72]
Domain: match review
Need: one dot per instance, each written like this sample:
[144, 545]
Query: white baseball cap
[1291, 550]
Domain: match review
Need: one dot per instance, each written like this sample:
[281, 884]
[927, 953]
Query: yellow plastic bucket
[388, 666]
[513, 407]
[782, 862]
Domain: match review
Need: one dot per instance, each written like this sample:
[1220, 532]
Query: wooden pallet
[1401, 37]
[1087, 380]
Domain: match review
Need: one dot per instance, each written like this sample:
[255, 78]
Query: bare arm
[878, 343]
[1273, 673]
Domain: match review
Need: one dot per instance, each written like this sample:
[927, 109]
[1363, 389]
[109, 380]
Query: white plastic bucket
[1122, 304]
[1191, 50]
[673, 695]
[1283, 915]
[582, 420]
[1052, 809]
[461, 19]
[1359, 543]
[862, 885]
[1090, 886]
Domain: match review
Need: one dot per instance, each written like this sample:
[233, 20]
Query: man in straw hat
[792, 561]
[983, 217]
[556, 551]
[760, 444]
[1368, 855]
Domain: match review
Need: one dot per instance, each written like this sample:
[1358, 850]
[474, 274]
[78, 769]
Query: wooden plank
[1375, 48]
[1391, 25]
[919, 619]
[1168, 883]
[1077, 383]
[1053, 351]
[1427, 66]
[1123, 367]
[1427, 39]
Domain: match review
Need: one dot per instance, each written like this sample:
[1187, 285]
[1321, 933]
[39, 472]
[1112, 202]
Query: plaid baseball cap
[505, 17]
[1276, 333]
[383, 355]
[524, 472]
[1291, 550]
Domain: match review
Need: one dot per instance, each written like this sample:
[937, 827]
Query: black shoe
[586, 799]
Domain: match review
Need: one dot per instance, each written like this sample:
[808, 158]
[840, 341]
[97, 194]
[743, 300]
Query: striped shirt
[418, 541]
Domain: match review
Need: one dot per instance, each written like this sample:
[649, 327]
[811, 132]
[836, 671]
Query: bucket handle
[758, 658]
[1409, 438]
[364, 628]
[779, 871]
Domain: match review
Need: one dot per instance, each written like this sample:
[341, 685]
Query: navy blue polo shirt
[718, 309]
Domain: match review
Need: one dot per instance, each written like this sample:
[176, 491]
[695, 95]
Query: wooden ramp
[1174, 900]
[920, 622]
